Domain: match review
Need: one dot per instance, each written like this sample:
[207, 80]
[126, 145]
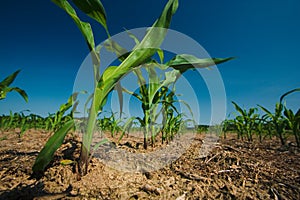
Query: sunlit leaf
[84, 27]
[54, 142]
[140, 54]
[4, 87]
[94, 9]
[8, 80]
[183, 62]
[21, 92]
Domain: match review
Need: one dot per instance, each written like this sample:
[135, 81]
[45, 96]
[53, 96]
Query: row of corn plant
[280, 123]
[111, 124]
[15, 120]
[32, 121]
[105, 83]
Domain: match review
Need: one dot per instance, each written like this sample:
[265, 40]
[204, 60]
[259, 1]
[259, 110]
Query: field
[96, 148]
[233, 169]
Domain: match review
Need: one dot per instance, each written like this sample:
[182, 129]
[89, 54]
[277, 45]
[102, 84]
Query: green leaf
[136, 40]
[94, 9]
[238, 108]
[120, 96]
[298, 114]
[21, 92]
[132, 93]
[4, 89]
[161, 55]
[114, 47]
[8, 80]
[84, 27]
[289, 92]
[143, 52]
[267, 112]
[54, 142]
[170, 77]
[126, 127]
[183, 62]
[100, 143]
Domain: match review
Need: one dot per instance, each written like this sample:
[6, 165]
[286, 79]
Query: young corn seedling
[293, 119]
[4, 87]
[227, 125]
[111, 124]
[104, 83]
[246, 121]
[154, 90]
[172, 120]
[293, 122]
[260, 125]
[151, 95]
[278, 120]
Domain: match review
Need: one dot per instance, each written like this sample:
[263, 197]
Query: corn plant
[155, 91]
[111, 124]
[293, 122]
[202, 128]
[4, 87]
[172, 120]
[227, 125]
[151, 95]
[246, 121]
[261, 124]
[278, 120]
[60, 117]
[5, 121]
[293, 119]
[104, 83]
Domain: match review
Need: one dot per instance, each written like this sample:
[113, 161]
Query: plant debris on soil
[233, 169]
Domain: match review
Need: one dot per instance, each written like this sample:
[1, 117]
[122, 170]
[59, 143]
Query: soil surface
[232, 169]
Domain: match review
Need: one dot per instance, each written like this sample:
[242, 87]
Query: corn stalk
[106, 82]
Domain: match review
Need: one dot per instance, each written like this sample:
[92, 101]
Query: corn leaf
[21, 92]
[143, 51]
[239, 109]
[183, 62]
[289, 92]
[84, 27]
[4, 89]
[126, 127]
[100, 143]
[120, 96]
[161, 55]
[8, 80]
[268, 113]
[114, 47]
[55, 141]
[94, 9]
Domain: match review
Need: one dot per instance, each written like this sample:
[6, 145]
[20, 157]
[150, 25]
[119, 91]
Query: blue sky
[41, 40]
